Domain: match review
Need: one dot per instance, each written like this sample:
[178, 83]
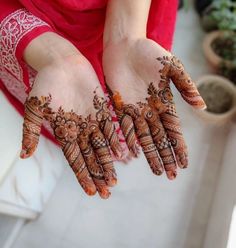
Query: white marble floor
[144, 210]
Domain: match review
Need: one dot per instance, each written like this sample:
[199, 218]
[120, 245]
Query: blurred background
[42, 205]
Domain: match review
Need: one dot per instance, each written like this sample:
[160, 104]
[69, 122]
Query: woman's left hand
[138, 74]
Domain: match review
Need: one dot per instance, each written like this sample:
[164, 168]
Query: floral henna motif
[151, 133]
[173, 69]
[81, 140]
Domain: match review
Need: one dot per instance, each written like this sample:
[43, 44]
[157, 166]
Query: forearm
[125, 19]
[46, 49]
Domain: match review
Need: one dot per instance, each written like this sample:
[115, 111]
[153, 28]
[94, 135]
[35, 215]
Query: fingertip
[199, 105]
[23, 154]
[111, 182]
[171, 175]
[104, 193]
[182, 162]
[91, 191]
[26, 153]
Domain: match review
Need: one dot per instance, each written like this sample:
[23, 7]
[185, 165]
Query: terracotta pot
[214, 59]
[218, 118]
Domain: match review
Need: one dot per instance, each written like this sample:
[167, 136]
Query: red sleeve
[17, 28]
[161, 22]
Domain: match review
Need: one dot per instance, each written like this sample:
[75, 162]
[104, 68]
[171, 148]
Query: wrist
[125, 21]
[48, 48]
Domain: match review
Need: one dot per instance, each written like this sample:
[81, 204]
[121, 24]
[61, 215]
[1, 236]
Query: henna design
[174, 69]
[155, 100]
[32, 124]
[106, 125]
[171, 123]
[101, 149]
[126, 123]
[160, 140]
[81, 140]
[90, 159]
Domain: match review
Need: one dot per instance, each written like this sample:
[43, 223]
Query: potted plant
[229, 72]
[220, 97]
[220, 50]
[201, 5]
[221, 14]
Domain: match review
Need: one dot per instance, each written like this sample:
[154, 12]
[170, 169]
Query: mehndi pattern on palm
[154, 124]
[85, 141]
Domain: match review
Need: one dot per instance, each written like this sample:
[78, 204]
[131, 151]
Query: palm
[68, 84]
[138, 74]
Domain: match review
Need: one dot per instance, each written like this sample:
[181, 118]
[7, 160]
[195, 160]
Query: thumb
[183, 82]
[32, 126]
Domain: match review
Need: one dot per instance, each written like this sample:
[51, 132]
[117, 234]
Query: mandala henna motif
[83, 143]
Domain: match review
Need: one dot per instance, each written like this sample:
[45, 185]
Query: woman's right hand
[67, 93]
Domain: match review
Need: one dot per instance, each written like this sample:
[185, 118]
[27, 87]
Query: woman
[57, 55]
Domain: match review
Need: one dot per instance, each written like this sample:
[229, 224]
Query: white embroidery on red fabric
[12, 29]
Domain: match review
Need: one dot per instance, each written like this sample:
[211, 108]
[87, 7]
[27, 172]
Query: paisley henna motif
[81, 139]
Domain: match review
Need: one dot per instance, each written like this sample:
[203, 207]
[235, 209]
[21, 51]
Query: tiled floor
[144, 211]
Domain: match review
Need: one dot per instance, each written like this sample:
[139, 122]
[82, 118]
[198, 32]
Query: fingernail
[171, 175]
[90, 191]
[182, 161]
[23, 154]
[104, 193]
[158, 172]
[111, 182]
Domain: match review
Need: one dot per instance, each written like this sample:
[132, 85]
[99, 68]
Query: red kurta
[79, 21]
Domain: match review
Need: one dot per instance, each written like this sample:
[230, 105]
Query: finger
[104, 157]
[109, 131]
[127, 127]
[76, 161]
[171, 123]
[150, 151]
[65, 127]
[174, 69]
[162, 143]
[33, 119]
[94, 168]
[104, 118]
